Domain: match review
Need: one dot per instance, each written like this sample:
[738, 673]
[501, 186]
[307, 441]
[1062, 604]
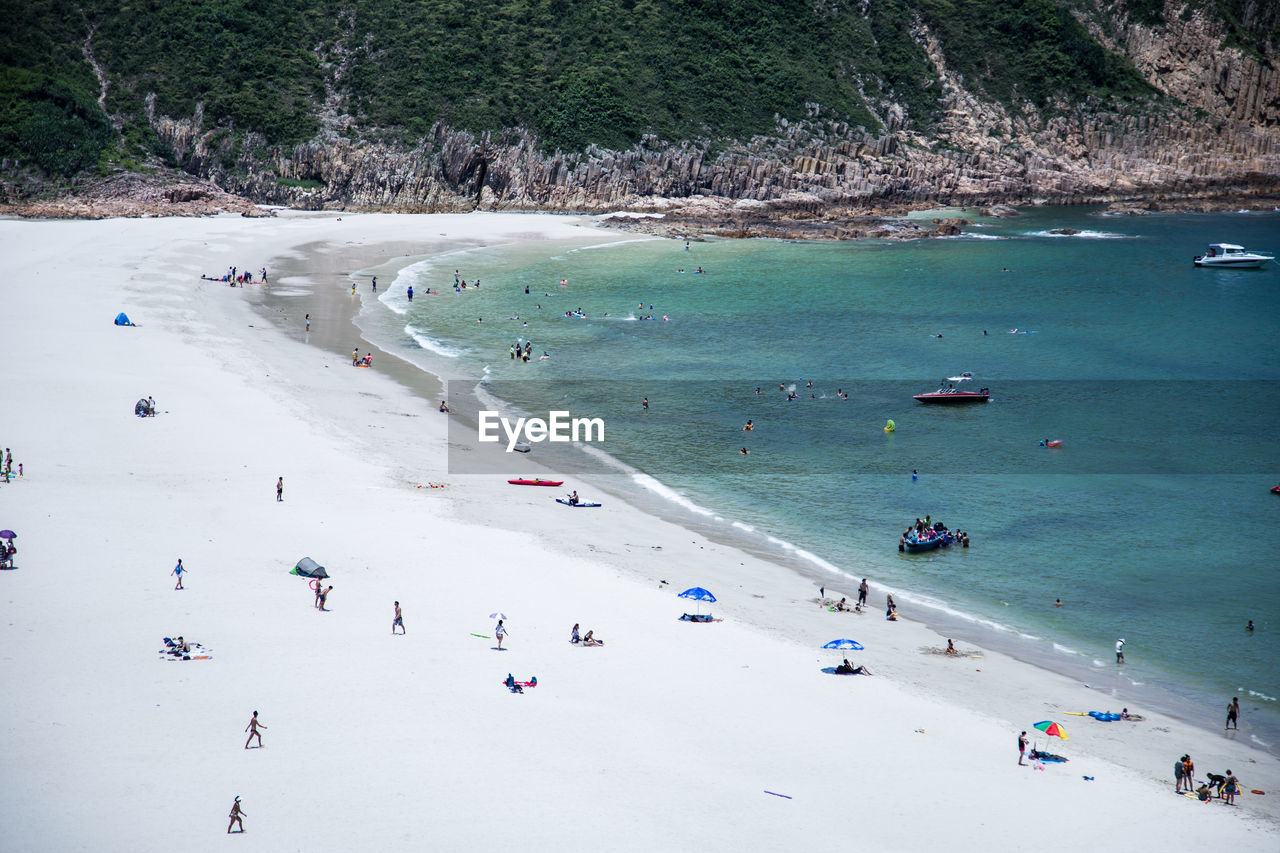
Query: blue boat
[925, 540]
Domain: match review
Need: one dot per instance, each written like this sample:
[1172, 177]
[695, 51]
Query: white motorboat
[1231, 256]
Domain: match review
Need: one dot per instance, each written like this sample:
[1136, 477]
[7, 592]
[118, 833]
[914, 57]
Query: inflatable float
[890, 426]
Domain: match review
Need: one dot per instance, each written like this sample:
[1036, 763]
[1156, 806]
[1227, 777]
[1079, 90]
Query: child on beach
[1231, 788]
[499, 631]
[235, 816]
[178, 570]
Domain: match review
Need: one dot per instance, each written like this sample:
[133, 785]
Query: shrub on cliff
[47, 122]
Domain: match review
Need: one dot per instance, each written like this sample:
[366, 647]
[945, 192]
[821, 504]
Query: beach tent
[142, 408]
[309, 568]
[122, 319]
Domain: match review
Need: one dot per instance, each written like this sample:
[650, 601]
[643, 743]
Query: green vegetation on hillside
[577, 73]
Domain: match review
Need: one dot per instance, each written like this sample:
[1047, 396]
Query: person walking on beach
[1120, 650]
[324, 596]
[863, 589]
[399, 620]
[499, 631]
[1233, 715]
[178, 570]
[252, 729]
[235, 817]
[279, 489]
[1022, 747]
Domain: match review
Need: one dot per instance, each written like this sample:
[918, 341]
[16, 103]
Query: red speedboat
[949, 393]
[535, 482]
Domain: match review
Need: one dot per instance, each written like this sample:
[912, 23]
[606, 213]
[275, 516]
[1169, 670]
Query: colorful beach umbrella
[844, 644]
[1052, 729]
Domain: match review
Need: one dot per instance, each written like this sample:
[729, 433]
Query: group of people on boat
[925, 530]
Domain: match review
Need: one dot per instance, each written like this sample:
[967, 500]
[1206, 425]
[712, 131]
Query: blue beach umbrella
[844, 644]
[697, 593]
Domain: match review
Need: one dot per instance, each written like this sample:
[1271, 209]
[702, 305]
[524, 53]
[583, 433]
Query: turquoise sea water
[1153, 521]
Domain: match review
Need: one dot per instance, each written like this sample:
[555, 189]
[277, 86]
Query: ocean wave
[983, 236]
[1083, 235]
[430, 344]
[614, 243]
[1057, 647]
[743, 526]
[942, 607]
[601, 456]
[669, 494]
[400, 307]
[1264, 697]
[806, 555]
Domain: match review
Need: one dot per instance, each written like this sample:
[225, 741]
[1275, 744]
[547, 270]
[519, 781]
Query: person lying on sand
[847, 668]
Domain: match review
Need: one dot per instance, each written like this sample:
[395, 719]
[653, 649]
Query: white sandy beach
[671, 735]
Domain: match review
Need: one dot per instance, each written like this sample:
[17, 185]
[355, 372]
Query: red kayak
[1275, 490]
[536, 482]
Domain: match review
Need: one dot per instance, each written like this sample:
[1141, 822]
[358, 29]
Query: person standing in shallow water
[1233, 714]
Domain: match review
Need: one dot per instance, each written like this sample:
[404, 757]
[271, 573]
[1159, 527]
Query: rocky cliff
[1214, 130]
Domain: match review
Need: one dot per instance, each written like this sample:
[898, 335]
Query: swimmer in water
[749, 427]
[743, 452]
